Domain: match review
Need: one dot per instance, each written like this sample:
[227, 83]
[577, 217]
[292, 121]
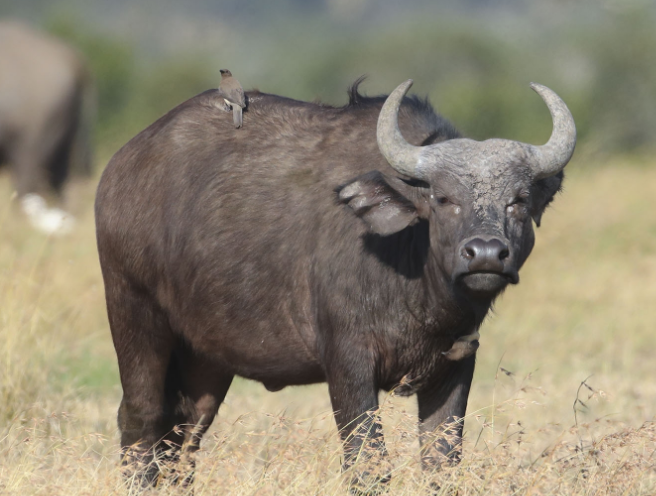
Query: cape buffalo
[43, 83]
[314, 244]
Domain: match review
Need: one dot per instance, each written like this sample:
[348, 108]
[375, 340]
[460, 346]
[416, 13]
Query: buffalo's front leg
[441, 415]
[354, 397]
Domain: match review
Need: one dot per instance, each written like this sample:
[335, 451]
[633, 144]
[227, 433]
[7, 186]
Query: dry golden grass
[585, 311]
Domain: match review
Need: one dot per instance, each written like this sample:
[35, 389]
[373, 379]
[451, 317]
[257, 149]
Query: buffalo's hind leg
[200, 386]
[144, 342]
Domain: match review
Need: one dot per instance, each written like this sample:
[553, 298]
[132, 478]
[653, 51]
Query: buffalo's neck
[440, 306]
[443, 312]
[433, 315]
[411, 278]
[432, 327]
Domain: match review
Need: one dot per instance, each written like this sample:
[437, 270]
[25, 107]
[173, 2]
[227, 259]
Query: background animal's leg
[58, 163]
[40, 166]
[28, 161]
[203, 387]
[43, 153]
[441, 415]
[143, 342]
[354, 397]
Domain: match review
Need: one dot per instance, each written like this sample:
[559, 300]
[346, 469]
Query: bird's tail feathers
[236, 115]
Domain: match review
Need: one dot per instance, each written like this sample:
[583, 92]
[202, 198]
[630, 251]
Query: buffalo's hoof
[434, 489]
[139, 473]
[367, 485]
[371, 480]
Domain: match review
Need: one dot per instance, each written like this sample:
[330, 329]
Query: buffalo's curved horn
[552, 157]
[400, 154]
[546, 160]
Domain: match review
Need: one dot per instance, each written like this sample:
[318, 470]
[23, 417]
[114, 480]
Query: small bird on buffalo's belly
[233, 95]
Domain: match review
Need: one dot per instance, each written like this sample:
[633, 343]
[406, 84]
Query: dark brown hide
[228, 253]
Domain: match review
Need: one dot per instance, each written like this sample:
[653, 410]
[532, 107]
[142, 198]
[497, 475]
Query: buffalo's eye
[519, 204]
[445, 201]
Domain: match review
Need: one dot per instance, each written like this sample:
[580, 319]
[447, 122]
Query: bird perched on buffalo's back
[233, 95]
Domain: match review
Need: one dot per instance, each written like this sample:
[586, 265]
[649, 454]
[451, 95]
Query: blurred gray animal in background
[233, 95]
[43, 126]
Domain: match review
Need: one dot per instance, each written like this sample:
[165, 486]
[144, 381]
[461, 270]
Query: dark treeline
[474, 62]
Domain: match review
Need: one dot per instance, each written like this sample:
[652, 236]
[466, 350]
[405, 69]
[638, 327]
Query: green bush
[474, 72]
[112, 66]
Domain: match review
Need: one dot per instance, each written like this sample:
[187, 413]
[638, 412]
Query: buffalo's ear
[542, 193]
[373, 198]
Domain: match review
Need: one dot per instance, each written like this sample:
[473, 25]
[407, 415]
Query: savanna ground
[563, 401]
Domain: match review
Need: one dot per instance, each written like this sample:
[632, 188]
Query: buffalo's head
[478, 197]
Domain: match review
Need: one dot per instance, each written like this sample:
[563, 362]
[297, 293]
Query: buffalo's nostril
[504, 254]
[468, 252]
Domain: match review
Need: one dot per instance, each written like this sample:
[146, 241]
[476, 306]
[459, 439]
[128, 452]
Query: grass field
[563, 401]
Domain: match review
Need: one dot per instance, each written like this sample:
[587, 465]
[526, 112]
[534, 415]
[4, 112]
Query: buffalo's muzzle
[485, 266]
[485, 256]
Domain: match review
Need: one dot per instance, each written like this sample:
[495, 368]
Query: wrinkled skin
[43, 83]
[290, 252]
[489, 199]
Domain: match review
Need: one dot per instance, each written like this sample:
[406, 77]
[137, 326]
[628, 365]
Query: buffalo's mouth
[487, 284]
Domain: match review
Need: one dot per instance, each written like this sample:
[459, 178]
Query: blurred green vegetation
[475, 72]
[130, 95]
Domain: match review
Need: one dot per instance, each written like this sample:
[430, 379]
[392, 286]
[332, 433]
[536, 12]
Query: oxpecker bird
[464, 347]
[233, 95]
